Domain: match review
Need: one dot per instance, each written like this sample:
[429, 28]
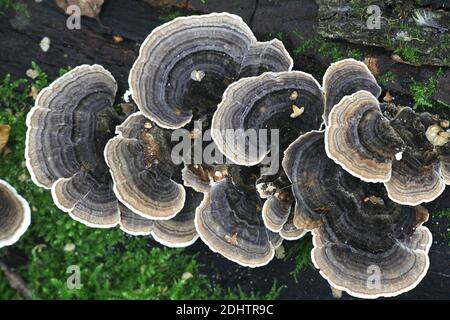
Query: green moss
[325, 48]
[301, 252]
[276, 35]
[387, 78]
[422, 92]
[358, 8]
[14, 6]
[112, 265]
[170, 13]
[409, 54]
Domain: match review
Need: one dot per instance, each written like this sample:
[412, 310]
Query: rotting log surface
[134, 20]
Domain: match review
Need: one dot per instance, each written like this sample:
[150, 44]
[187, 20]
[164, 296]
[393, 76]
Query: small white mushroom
[197, 75]
[45, 44]
[31, 73]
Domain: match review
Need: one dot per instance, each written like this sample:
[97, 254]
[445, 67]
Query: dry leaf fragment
[232, 239]
[296, 111]
[88, 8]
[387, 97]
[4, 136]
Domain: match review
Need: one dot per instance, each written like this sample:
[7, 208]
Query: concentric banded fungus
[176, 232]
[266, 102]
[185, 65]
[375, 148]
[228, 221]
[133, 223]
[15, 215]
[360, 139]
[307, 181]
[180, 231]
[445, 165]
[365, 243]
[290, 231]
[68, 128]
[275, 213]
[140, 163]
[344, 78]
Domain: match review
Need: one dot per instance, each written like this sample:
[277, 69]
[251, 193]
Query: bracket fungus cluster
[364, 243]
[354, 185]
[105, 173]
[388, 144]
[185, 65]
[15, 215]
[68, 128]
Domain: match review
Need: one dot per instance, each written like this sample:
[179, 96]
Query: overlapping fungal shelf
[385, 147]
[68, 127]
[356, 185]
[356, 227]
[185, 65]
[15, 215]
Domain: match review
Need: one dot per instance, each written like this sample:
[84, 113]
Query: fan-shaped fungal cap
[290, 231]
[15, 215]
[185, 65]
[445, 169]
[68, 128]
[346, 77]
[368, 275]
[307, 170]
[265, 102]
[275, 212]
[177, 232]
[413, 183]
[376, 146]
[360, 139]
[133, 223]
[365, 243]
[140, 164]
[444, 159]
[228, 221]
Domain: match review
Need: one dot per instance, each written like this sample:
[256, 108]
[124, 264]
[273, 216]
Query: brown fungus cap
[229, 221]
[201, 176]
[385, 144]
[68, 128]
[140, 164]
[365, 244]
[185, 65]
[346, 77]
[15, 215]
[269, 101]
